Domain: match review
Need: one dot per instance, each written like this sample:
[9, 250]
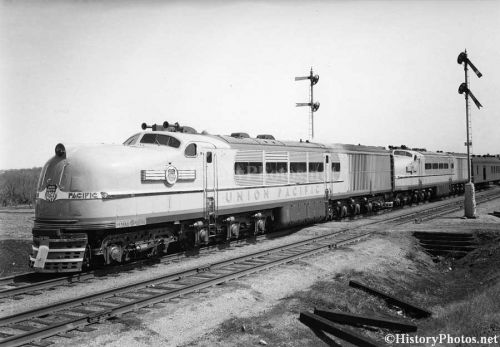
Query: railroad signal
[470, 201]
[463, 89]
[313, 105]
[462, 57]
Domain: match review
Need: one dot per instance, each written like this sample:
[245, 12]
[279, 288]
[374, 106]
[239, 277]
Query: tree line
[18, 187]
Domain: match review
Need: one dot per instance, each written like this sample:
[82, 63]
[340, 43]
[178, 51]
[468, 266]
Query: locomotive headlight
[60, 150]
[171, 175]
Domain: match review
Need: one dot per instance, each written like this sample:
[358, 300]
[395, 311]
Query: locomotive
[107, 204]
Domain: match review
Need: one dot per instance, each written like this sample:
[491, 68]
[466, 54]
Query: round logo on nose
[171, 175]
[51, 192]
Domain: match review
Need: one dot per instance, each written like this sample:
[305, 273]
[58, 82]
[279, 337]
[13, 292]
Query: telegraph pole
[470, 199]
[313, 105]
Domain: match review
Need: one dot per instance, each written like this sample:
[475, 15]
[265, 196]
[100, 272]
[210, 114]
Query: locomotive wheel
[329, 216]
[343, 211]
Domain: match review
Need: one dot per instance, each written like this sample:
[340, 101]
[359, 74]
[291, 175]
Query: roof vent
[266, 137]
[240, 135]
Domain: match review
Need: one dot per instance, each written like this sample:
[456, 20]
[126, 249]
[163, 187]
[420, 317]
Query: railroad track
[62, 317]
[440, 210]
[31, 283]
[34, 283]
[59, 318]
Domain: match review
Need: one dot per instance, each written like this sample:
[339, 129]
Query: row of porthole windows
[438, 166]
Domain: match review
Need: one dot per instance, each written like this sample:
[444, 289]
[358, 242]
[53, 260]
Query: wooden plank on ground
[353, 319]
[316, 322]
[411, 309]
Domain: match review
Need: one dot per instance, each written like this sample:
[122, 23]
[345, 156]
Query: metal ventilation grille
[249, 155]
[277, 156]
[277, 178]
[315, 157]
[249, 180]
[316, 177]
[298, 177]
[298, 156]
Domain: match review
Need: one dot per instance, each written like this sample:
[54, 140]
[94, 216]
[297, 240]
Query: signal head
[462, 89]
[462, 57]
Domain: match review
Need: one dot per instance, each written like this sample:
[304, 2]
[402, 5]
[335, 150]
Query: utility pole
[313, 105]
[470, 199]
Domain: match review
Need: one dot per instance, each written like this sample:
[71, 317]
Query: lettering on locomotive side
[266, 194]
[84, 195]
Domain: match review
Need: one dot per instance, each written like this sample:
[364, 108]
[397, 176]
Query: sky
[92, 71]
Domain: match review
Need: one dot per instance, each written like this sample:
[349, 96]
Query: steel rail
[238, 267]
[179, 275]
[202, 283]
[443, 209]
[22, 283]
[73, 278]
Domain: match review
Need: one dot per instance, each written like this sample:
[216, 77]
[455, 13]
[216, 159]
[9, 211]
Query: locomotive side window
[316, 167]
[435, 165]
[159, 139]
[441, 165]
[190, 150]
[298, 167]
[336, 167]
[245, 168]
[445, 165]
[272, 168]
[428, 166]
[282, 167]
[209, 157]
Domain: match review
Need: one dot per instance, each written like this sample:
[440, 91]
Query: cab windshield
[160, 139]
[131, 140]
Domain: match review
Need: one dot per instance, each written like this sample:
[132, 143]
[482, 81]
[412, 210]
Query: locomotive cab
[92, 200]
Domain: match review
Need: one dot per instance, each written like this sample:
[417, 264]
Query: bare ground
[264, 308]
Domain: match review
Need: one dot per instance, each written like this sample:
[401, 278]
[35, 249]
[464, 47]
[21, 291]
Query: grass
[478, 314]
[463, 295]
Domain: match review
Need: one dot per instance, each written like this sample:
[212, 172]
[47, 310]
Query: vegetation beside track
[18, 187]
[462, 295]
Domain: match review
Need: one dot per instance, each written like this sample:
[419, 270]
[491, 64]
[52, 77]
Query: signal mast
[313, 105]
[470, 200]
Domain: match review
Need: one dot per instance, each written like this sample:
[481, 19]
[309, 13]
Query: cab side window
[190, 150]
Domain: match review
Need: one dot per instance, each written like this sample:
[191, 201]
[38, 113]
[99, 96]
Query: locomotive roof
[226, 141]
[268, 142]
